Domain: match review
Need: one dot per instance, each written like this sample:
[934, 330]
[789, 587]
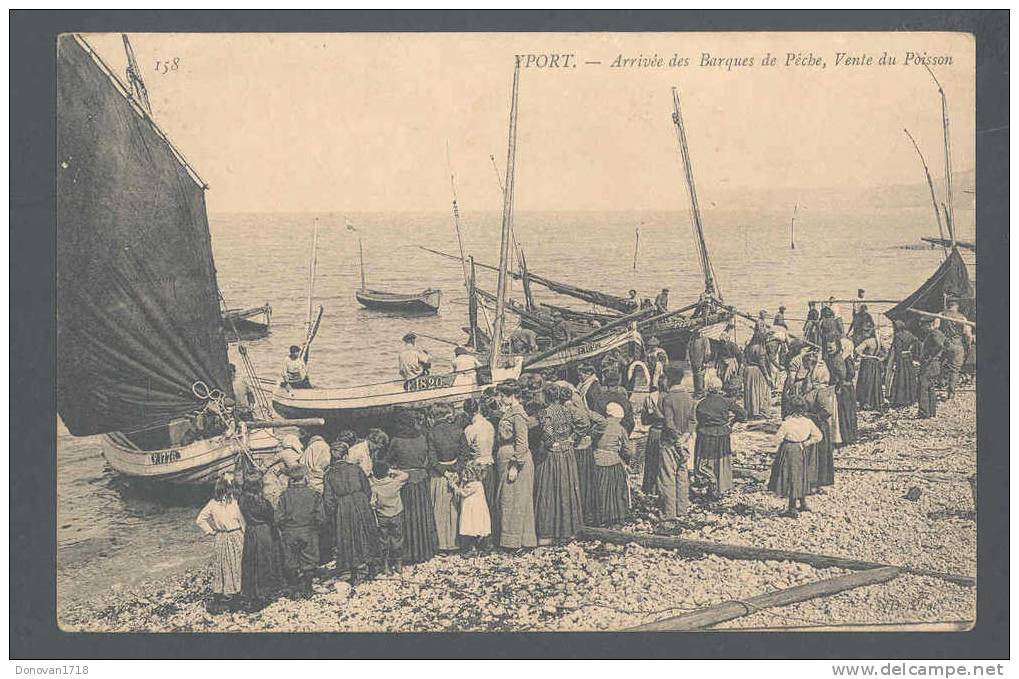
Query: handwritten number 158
[165, 67]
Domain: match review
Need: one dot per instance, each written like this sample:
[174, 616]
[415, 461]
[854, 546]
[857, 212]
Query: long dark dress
[713, 447]
[651, 415]
[444, 448]
[905, 349]
[584, 426]
[347, 498]
[845, 395]
[420, 539]
[820, 460]
[868, 383]
[262, 562]
[756, 391]
[612, 494]
[558, 508]
[516, 497]
[930, 370]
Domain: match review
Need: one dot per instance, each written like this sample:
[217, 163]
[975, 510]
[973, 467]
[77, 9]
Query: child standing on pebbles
[386, 484]
[475, 520]
[789, 473]
[222, 517]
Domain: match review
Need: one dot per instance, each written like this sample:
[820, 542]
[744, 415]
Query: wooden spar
[134, 76]
[857, 301]
[688, 547]
[622, 320]
[472, 306]
[300, 422]
[311, 279]
[712, 615]
[456, 214]
[636, 247]
[525, 279]
[930, 185]
[965, 245]
[710, 286]
[944, 318]
[950, 211]
[437, 339]
[792, 228]
[507, 222]
[670, 314]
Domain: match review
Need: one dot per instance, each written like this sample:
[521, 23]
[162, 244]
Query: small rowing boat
[247, 324]
[424, 302]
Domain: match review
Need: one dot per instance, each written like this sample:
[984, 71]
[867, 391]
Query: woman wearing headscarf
[638, 379]
[845, 394]
[821, 408]
[795, 375]
[261, 565]
[789, 471]
[902, 361]
[558, 508]
[347, 499]
[408, 451]
[612, 449]
[277, 477]
[870, 378]
[444, 451]
[651, 416]
[316, 458]
[756, 390]
[727, 354]
[515, 472]
[713, 447]
[586, 425]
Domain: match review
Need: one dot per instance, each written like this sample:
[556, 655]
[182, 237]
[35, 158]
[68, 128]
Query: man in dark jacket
[299, 515]
[698, 351]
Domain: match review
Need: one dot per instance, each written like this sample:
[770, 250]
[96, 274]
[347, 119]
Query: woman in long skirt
[515, 472]
[870, 379]
[651, 417]
[845, 397]
[444, 440]
[612, 494]
[713, 446]
[756, 390]
[789, 471]
[347, 498]
[262, 563]
[408, 451]
[558, 508]
[586, 425]
[821, 408]
[904, 351]
[222, 517]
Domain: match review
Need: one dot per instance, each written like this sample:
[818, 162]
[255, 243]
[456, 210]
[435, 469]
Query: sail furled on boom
[138, 317]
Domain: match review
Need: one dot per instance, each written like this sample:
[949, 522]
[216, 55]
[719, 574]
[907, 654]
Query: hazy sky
[361, 122]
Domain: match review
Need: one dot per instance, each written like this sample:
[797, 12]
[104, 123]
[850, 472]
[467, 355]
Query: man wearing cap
[858, 328]
[657, 358]
[413, 361]
[780, 318]
[590, 389]
[560, 328]
[299, 516]
[662, 300]
[523, 340]
[632, 301]
[932, 351]
[698, 351]
[295, 370]
[957, 337]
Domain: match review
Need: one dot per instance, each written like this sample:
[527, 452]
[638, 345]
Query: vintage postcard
[392, 332]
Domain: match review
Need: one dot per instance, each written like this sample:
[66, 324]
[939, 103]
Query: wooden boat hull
[247, 324]
[372, 405]
[424, 302]
[197, 463]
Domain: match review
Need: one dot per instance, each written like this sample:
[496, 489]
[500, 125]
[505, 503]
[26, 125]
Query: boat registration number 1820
[422, 382]
[164, 457]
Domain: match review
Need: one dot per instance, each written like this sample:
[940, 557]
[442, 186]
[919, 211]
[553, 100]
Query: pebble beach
[902, 497]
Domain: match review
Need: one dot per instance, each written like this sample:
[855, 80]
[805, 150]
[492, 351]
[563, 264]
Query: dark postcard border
[33, 632]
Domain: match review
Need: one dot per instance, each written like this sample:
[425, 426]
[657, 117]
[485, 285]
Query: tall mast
[710, 286]
[311, 275]
[134, 77]
[950, 210]
[930, 184]
[507, 222]
[456, 214]
[792, 228]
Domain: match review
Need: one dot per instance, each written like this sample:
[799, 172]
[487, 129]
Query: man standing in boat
[662, 300]
[522, 340]
[295, 369]
[465, 366]
[413, 361]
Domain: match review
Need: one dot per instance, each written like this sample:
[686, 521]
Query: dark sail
[138, 317]
[951, 280]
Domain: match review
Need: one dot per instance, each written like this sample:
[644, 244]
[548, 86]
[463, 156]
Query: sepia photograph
[516, 332]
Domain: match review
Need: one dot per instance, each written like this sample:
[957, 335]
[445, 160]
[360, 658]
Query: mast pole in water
[792, 228]
[710, 286]
[360, 254]
[950, 211]
[636, 247]
[507, 222]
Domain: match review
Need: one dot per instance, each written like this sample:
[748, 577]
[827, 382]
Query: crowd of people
[533, 460]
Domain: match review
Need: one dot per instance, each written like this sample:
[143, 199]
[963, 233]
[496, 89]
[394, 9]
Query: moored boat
[247, 324]
[424, 302]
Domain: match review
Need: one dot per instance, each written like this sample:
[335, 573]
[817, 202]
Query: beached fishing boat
[141, 347]
[244, 325]
[424, 302]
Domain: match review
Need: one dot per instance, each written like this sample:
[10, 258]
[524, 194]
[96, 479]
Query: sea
[109, 522]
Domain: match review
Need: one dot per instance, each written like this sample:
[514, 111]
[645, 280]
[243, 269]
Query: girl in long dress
[611, 492]
[902, 360]
[347, 498]
[444, 439]
[789, 471]
[756, 389]
[262, 562]
[515, 472]
[408, 451]
[475, 520]
[870, 378]
[558, 507]
[222, 518]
